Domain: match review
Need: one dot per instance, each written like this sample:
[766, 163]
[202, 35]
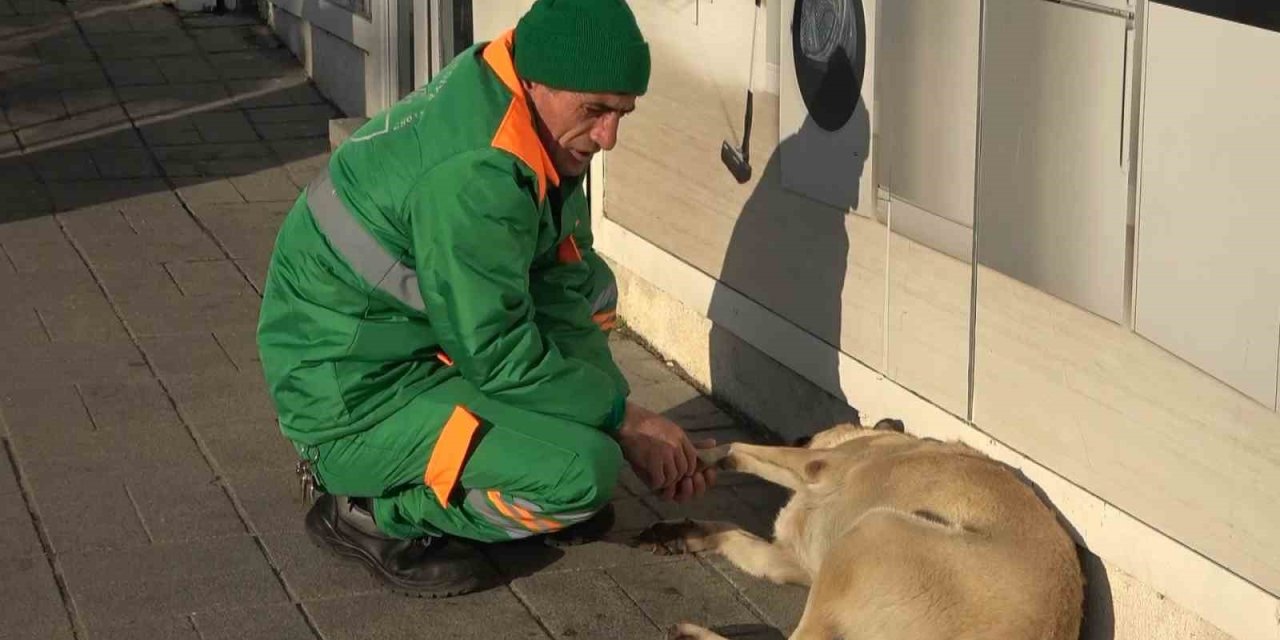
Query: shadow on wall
[789, 254]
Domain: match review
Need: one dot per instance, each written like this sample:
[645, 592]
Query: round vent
[830, 56]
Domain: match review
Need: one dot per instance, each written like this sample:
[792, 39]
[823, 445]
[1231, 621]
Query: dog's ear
[891, 424]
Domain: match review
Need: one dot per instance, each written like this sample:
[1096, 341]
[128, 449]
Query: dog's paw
[671, 538]
[685, 631]
[717, 457]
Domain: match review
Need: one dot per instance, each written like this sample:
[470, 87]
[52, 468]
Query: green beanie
[582, 45]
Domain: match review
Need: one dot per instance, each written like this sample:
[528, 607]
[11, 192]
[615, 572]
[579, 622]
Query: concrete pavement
[146, 159]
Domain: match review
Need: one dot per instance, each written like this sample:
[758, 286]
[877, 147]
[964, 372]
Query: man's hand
[662, 455]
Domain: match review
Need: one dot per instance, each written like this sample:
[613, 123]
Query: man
[434, 324]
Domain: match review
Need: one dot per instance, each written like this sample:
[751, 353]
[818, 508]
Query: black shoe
[428, 567]
[591, 530]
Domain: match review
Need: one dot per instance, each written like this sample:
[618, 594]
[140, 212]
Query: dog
[897, 538]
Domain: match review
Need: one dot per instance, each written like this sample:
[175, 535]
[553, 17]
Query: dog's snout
[891, 424]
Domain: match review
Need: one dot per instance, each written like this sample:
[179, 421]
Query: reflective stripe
[564, 519]
[607, 299]
[478, 503]
[368, 258]
[448, 454]
[516, 514]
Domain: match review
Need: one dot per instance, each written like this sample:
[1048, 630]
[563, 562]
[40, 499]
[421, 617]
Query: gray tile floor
[146, 160]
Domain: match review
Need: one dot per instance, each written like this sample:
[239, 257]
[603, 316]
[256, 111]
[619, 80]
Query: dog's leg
[686, 631]
[790, 467]
[748, 552]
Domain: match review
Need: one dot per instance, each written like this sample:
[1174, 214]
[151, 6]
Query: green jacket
[442, 243]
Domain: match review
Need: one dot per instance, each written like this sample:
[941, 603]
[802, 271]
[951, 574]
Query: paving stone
[700, 414]
[70, 196]
[494, 614]
[279, 622]
[662, 396]
[29, 108]
[224, 126]
[124, 163]
[220, 398]
[134, 72]
[718, 503]
[248, 445]
[257, 271]
[139, 233]
[314, 573]
[632, 515]
[303, 158]
[186, 69]
[208, 278]
[21, 325]
[83, 125]
[115, 22]
[242, 345]
[238, 38]
[586, 604]
[26, 367]
[119, 136]
[58, 76]
[62, 440]
[186, 354]
[170, 627]
[60, 166]
[264, 92]
[200, 191]
[151, 317]
[18, 536]
[141, 44]
[271, 497]
[144, 102]
[533, 557]
[260, 63]
[16, 173]
[685, 591]
[291, 130]
[781, 605]
[194, 577]
[207, 20]
[29, 601]
[80, 318]
[153, 19]
[269, 185]
[54, 255]
[298, 113]
[70, 48]
[93, 511]
[171, 131]
[82, 100]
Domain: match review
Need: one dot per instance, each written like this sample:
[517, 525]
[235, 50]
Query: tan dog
[898, 538]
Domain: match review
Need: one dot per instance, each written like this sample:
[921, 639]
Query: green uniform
[434, 324]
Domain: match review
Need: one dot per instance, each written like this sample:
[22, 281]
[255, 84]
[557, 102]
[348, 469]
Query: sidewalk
[146, 159]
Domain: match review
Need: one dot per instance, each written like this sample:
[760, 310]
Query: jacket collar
[517, 133]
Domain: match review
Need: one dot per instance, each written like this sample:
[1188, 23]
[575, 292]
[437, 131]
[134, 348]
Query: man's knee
[591, 480]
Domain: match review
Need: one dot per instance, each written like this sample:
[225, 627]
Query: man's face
[574, 126]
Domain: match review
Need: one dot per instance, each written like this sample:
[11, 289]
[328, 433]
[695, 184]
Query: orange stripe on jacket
[517, 134]
[450, 453]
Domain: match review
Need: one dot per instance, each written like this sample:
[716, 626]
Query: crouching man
[434, 328]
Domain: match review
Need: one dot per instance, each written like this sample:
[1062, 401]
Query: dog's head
[842, 433]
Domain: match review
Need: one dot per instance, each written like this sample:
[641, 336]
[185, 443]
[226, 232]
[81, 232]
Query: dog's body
[899, 538]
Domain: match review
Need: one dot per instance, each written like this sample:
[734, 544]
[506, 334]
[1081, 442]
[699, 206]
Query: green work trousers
[518, 474]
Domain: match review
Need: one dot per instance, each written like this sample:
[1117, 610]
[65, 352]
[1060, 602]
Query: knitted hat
[583, 45]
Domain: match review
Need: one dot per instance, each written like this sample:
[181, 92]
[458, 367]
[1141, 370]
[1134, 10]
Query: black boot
[427, 567]
[591, 530]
